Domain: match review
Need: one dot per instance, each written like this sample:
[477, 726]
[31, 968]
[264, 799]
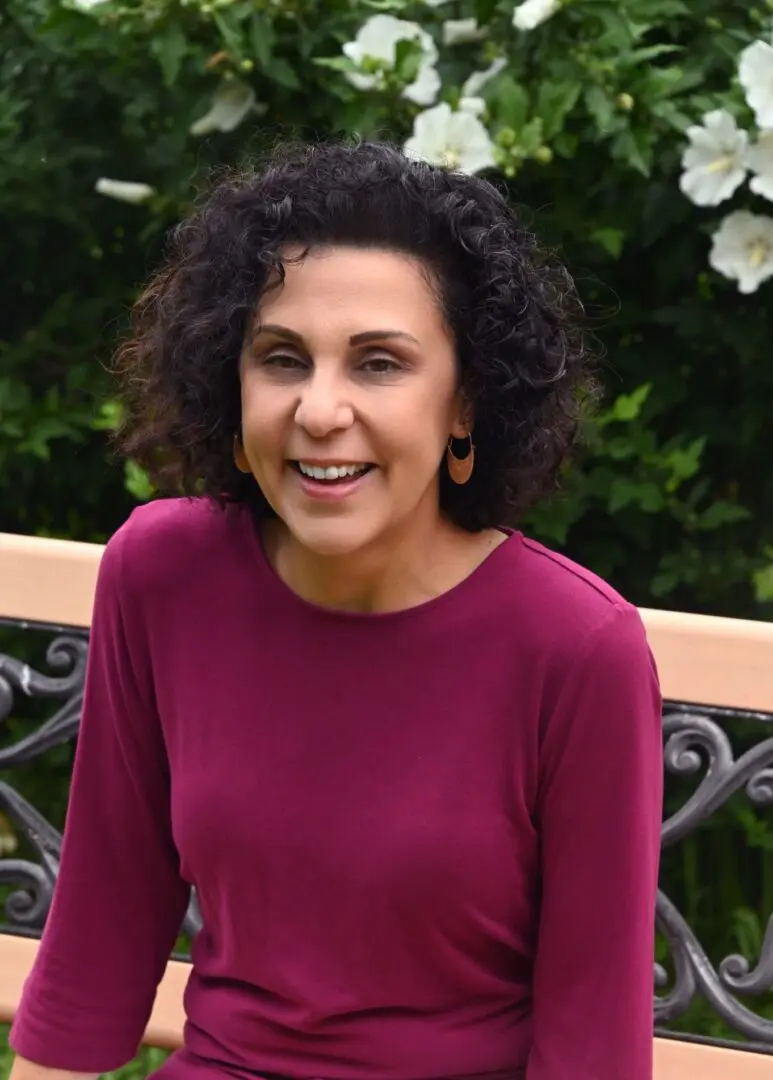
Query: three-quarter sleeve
[119, 900]
[599, 815]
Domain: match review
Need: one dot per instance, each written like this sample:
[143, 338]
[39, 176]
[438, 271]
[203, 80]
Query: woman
[409, 759]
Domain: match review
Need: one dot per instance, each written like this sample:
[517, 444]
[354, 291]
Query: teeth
[332, 472]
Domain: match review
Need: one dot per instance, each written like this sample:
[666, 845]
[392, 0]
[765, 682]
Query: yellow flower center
[760, 251]
[724, 164]
[452, 157]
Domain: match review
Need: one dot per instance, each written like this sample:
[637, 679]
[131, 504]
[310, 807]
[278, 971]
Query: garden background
[113, 114]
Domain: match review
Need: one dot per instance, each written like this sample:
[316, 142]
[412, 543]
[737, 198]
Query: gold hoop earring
[460, 469]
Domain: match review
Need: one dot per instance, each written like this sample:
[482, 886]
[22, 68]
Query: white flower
[123, 190]
[532, 13]
[478, 79]
[457, 140]
[760, 161]
[474, 105]
[85, 5]
[377, 39]
[460, 31]
[742, 249]
[755, 73]
[230, 104]
[715, 160]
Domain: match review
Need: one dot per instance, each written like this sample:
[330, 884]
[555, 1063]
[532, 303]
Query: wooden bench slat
[702, 658]
[674, 1060]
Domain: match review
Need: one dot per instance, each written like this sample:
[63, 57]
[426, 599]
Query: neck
[401, 570]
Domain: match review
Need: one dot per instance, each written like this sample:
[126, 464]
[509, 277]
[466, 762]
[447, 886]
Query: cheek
[265, 417]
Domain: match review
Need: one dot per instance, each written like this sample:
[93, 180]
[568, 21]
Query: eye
[285, 361]
[381, 365]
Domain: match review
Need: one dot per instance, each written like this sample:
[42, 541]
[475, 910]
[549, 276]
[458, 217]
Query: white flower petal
[755, 73]
[532, 13]
[85, 5]
[475, 83]
[474, 105]
[425, 88]
[760, 161]
[377, 39]
[714, 162]
[124, 190]
[742, 249]
[461, 31]
[456, 140]
[763, 186]
[230, 104]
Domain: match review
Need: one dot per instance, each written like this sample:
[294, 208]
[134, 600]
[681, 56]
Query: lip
[322, 492]
[327, 463]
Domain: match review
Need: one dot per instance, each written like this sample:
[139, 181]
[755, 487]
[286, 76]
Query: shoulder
[169, 543]
[564, 610]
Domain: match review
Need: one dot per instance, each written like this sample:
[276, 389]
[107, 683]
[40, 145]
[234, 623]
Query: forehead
[366, 286]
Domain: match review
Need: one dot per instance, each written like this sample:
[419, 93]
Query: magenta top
[425, 843]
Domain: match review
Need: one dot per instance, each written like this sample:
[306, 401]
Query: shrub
[582, 108]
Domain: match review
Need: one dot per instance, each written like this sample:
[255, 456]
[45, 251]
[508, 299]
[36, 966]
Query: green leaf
[633, 146]
[628, 406]
[170, 49]
[335, 63]
[610, 239]
[601, 107]
[408, 57]
[137, 483]
[281, 72]
[262, 39]
[647, 53]
[512, 101]
[763, 584]
[646, 495]
[684, 462]
[723, 512]
[554, 102]
[622, 492]
[232, 38]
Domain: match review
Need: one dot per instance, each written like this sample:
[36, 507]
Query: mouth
[331, 483]
[332, 475]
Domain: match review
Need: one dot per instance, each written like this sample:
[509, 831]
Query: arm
[119, 900]
[28, 1070]
[600, 813]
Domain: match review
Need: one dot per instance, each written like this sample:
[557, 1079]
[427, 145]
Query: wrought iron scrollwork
[27, 907]
[694, 740]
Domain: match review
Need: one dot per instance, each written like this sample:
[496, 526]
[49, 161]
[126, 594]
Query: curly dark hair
[512, 309]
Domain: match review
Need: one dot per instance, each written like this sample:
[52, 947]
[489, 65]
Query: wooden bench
[724, 663]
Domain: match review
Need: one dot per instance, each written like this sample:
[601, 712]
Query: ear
[240, 458]
[464, 420]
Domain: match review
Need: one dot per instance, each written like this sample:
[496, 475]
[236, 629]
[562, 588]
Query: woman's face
[350, 367]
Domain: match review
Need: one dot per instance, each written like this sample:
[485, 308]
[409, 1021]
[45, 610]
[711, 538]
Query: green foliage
[587, 119]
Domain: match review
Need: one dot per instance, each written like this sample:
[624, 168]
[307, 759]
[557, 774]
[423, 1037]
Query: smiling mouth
[331, 474]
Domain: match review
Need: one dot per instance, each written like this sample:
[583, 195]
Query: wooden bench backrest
[701, 659]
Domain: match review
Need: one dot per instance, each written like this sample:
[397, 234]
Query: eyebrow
[355, 339]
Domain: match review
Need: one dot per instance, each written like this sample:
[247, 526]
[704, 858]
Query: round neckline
[283, 591]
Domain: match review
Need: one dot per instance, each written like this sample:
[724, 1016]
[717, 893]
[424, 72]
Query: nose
[323, 406]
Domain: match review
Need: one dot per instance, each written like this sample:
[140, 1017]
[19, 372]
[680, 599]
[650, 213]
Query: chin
[332, 539]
